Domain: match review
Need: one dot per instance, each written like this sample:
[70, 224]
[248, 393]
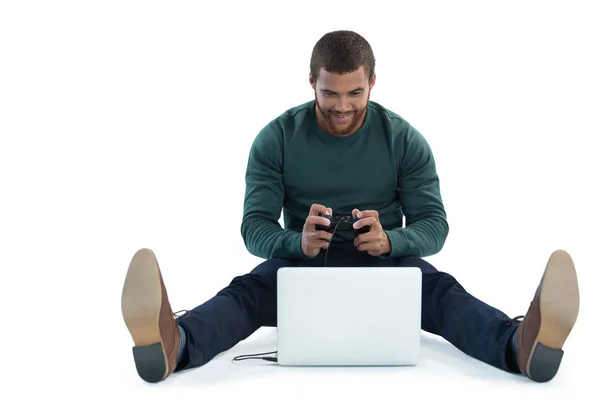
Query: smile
[341, 117]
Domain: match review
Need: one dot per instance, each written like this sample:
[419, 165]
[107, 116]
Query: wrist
[387, 246]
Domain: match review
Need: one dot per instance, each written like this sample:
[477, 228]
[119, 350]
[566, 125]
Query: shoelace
[181, 312]
[515, 321]
[518, 319]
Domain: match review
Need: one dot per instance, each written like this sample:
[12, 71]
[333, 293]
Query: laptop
[348, 316]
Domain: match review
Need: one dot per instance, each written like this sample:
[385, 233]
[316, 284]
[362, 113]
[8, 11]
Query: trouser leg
[448, 310]
[232, 315]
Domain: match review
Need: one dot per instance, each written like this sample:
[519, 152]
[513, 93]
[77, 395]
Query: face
[341, 100]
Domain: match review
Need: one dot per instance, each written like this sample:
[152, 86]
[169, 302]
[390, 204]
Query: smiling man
[342, 154]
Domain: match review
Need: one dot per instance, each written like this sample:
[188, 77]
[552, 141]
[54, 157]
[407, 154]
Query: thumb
[329, 211]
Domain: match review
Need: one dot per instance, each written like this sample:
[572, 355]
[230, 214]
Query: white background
[127, 124]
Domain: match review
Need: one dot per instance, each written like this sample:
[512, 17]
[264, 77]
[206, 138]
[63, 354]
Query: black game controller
[343, 223]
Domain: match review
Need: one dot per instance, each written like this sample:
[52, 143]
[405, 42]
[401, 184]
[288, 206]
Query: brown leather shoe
[549, 320]
[149, 318]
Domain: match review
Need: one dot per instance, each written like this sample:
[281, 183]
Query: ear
[372, 81]
[312, 81]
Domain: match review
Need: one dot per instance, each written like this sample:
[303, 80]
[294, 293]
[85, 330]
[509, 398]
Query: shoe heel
[544, 363]
[150, 362]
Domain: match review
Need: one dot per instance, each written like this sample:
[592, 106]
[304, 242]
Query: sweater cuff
[293, 246]
[398, 244]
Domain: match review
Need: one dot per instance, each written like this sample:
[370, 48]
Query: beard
[330, 124]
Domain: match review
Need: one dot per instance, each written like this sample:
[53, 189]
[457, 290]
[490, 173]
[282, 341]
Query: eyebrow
[360, 89]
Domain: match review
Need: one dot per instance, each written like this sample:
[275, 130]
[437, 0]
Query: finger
[324, 235]
[315, 209]
[316, 220]
[377, 249]
[363, 238]
[368, 213]
[357, 243]
[315, 238]
[372, 246]
[316, 243]
[365, 221]
[355, 212]
[360, 240]
[361, 245]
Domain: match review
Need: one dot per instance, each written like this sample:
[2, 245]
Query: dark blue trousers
[250, 302]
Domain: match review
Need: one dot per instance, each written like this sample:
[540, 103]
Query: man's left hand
[375, 242]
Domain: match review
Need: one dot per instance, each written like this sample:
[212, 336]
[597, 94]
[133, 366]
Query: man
[344, 154]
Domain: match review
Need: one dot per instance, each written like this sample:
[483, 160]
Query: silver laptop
[354, 316]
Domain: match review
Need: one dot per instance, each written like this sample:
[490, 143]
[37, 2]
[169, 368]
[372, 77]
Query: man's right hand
[312, 239]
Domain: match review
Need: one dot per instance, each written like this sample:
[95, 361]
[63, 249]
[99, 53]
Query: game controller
[343, 223]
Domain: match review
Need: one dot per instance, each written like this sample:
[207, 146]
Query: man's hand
[375, 242]
[312, 239]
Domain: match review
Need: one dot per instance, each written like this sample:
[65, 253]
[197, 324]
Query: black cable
[329, 245]
[256, 357]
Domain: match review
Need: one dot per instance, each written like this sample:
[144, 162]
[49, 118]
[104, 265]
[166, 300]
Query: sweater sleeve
[419, 194]
[263, 201]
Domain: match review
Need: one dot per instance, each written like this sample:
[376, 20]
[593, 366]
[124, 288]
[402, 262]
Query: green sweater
[386, 165]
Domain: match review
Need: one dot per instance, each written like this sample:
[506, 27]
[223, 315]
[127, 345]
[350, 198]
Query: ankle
[511, 353]
[181, 352]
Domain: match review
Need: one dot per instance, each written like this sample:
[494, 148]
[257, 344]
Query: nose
[343, 105]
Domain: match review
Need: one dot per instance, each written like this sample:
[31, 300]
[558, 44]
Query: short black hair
[341, 52]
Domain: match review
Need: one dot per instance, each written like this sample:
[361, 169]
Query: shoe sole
[140, 304]
[559, 308]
